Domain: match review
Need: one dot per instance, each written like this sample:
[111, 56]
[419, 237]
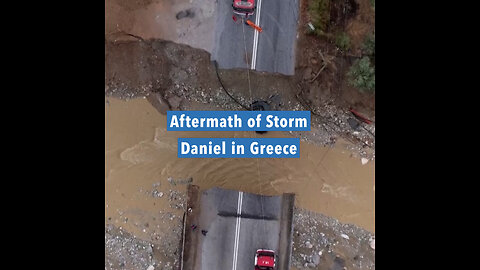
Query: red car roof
[265, 261]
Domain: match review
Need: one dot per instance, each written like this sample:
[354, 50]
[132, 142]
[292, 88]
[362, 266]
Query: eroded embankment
[179, 77]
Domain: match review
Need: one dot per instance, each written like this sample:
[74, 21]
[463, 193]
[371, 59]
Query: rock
[311, 265]
[158, 102]
[151, 267]
[180, 76]
[345, 236]
[307, 74]
[185, 13]
[308, 244]
[372, 243]
[157, 194]
[316, 259]
[174, 102]
[364, 161]
[180, 181]
[185, 181]
[354, 124]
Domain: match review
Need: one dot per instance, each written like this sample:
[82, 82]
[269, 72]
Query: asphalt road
[275, 45]
[238, 224]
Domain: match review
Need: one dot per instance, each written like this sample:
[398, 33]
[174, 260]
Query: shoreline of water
[327, 180]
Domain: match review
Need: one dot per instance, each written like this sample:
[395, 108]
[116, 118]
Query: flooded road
[140, 153]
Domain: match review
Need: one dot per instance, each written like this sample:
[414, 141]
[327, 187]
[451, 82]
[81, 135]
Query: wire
[246, 59]
[224, 89]
[251, 98]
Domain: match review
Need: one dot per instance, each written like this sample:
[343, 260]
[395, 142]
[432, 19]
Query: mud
[180, 21]
[146, 182]
[140, 154]
[184, 78]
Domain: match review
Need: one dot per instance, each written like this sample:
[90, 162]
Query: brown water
[139, 152]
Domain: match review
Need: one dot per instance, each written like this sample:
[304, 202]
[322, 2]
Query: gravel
[321, 241]
[165, 75]
[125, 251]
[154, 243]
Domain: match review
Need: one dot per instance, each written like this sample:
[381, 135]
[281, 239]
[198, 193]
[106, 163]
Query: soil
[357, 19]
[182, 77]
[137, 238]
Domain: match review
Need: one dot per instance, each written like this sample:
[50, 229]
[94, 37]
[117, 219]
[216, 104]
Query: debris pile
[321, 241]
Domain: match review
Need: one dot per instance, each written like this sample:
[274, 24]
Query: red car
[264, 259]
[244, 7]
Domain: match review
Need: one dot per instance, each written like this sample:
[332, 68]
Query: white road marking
[255, 36]
[237, 230]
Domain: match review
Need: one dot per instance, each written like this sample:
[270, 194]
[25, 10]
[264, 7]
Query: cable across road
[240, 193]
[225, 90]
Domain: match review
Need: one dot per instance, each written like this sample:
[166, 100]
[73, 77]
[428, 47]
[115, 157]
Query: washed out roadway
[238, 224]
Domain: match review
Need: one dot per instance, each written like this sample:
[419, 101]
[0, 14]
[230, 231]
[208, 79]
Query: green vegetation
[362, 75]
[362, 72]
[369, 45]
[342, 41]
[320, 14]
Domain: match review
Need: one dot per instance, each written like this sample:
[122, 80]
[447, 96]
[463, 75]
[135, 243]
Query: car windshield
[244, 4]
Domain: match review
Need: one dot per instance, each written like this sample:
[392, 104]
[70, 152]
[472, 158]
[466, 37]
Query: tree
[362, 75]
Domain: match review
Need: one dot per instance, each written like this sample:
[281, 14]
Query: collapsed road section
[224, 229]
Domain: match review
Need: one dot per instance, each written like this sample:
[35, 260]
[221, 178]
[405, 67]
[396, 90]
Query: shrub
[362, 75]
[320, 14]
[369, 45]
[342, 41]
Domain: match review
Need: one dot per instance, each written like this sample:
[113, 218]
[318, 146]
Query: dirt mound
[137, 67]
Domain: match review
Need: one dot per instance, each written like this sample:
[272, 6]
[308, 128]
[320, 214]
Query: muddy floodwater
[140, 153]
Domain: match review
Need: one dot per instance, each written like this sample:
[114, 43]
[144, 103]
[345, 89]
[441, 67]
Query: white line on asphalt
[237, 230]
[255, 36]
